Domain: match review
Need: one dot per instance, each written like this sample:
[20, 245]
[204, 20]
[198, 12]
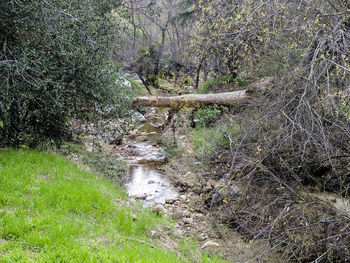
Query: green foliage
[171, 149]
[53, 211]
[54, 65]
[209, 115]
[138, 89]
[105, 163]
[206, 140]
[210, 84]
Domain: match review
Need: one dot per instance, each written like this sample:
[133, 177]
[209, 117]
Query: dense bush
[208, 115]
[294, 142]
[54, 64]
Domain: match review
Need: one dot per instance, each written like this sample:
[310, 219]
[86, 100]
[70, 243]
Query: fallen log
[194, 100]
[234, 98]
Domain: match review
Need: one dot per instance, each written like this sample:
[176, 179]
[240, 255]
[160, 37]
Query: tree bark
[195, 100]
[233, 98]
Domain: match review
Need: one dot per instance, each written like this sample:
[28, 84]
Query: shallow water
[150, 185]
[145, 181]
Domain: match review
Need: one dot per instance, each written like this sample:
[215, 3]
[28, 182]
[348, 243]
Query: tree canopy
[56, 62]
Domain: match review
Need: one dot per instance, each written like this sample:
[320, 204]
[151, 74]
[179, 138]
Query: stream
[145, 180]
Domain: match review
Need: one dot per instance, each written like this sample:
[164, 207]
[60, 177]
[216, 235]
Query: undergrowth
[212, 83]
[207, 140]
[53, 211]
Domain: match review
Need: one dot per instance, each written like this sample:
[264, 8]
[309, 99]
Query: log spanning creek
[145, 180]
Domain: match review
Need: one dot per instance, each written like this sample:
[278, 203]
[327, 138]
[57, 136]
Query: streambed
[145, 180]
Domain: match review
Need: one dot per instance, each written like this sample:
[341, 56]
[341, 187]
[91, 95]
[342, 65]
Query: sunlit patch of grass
[52, 211]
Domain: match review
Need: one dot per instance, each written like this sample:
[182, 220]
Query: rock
[117, 140]
[208, 186]
[186, 213]
[141, 138]
[178, 214]
[152, 160]
[201, 237]
[151, 182]
[189, 174]
[158, 208]
[188, 221]
[153, 233]
[172, 199]
[136, 116]
[179, 224]
[156, 125]
[190, 184]
[141, 197]
[210, 244]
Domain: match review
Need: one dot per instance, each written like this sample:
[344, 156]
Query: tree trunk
[145, 83]
[198, 73]
[234, 98]
[194, 100]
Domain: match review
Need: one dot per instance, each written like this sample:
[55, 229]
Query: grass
[208, 139]
[53, 211]
[211, 84]
[138, 89]
[205, 140]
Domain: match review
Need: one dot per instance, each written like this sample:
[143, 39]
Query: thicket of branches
[55, 63]
[296, 140]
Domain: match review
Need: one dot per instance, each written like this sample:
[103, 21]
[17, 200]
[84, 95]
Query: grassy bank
[53, 211]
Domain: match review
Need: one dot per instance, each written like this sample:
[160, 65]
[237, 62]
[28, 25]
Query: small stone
[189, 174]
[117, 140]
[151, 182]
[179, 224]
[153, 233]
[178, 214]
[208, 186]
[90, 149]
[190, 184]
[188, 221]
[158, 208]
[209, 244]
[141, 197]
[201, 237]
[186, 213]
[170, 201]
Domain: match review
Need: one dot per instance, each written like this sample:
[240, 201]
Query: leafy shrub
[206, 140]
[54, 65]
[209, 115]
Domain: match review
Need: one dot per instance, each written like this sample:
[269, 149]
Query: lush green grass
[53, 211]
